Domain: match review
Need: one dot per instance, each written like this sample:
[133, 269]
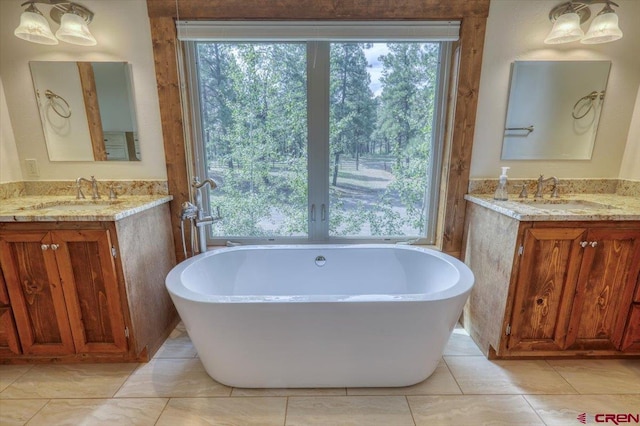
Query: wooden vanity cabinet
[64, 291]
[87, 291]
[573, 289]
[552, 289]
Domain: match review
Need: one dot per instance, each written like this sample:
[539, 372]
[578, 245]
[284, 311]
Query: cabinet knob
[44, 247]
[583, 244]
[594, 243]
[55, 246]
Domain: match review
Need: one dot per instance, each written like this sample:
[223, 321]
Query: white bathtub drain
[320, 260]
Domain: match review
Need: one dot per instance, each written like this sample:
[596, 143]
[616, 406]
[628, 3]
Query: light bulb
[34, 27]
[73, 29]
[565, 29]
[604, 28]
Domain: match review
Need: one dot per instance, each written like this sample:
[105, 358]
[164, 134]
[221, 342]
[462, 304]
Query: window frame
[318, 159]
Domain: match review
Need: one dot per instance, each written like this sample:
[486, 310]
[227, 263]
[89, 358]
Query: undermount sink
[68, 205]
[560, 204]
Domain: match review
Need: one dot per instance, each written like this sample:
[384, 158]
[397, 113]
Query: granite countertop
[54, 208]
[578, 207]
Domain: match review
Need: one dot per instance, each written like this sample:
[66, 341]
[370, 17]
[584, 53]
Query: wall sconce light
[567, 18]
[72, 17]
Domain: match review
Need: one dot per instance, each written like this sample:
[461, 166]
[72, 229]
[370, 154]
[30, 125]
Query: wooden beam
[92, 108]
[131, 146]
[472, 32]
[317, 9]
[163, 33]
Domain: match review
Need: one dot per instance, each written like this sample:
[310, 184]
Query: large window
[318, 140]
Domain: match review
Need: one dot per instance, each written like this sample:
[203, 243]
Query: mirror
[86, 110]
[554, 108]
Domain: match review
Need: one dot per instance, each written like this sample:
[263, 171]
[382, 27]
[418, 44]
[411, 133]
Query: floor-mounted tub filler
[320, 315]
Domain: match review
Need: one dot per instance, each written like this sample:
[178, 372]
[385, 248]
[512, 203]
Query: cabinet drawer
[115, 139]
[116, 153]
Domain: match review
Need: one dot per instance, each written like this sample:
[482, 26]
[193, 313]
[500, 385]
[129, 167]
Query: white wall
[515, 31]
[122, 30]
[9, 161]
[631, 160]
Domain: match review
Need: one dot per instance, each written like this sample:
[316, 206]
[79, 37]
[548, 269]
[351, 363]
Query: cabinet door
[605, 289]
[35, 290]
[631, 338]
[544, 290]
[9, 344]
[91, 291]
[8, 334]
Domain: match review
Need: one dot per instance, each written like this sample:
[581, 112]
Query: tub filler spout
[201, 220]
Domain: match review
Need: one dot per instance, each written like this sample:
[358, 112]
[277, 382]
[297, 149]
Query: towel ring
[585, 101]
[55, 105]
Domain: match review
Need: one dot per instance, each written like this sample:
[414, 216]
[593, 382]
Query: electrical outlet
[32, 167]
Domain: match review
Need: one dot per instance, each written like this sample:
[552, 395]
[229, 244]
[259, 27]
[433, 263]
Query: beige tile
[224, 411]
[172, 378]
[348, 410]
[180, 329]
[472, 410]
[9, 374]
[477, 375]
[69, 381]
[441, 382]
[177, 345]
[177, 348]
[557, 410]
[600, 376]
[72, 412]
[289, 392]
[460, 343]
[19, 411]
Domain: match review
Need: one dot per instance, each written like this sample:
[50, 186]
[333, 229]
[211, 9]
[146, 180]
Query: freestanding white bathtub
[320, 315]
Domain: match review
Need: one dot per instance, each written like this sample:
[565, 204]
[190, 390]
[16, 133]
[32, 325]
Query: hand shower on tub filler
[501, 193]
[195, 213]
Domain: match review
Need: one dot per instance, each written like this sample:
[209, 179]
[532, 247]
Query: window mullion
[437, 136]
[318, 139]
[198, 162]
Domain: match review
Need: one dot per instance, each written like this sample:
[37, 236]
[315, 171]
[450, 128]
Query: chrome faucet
[542, 181]
[201, 220]
[197, 184]
[95, 195]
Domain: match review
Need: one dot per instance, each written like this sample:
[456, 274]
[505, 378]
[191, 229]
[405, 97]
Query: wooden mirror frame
[463, 96]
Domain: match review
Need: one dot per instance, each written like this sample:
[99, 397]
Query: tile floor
[173, 389]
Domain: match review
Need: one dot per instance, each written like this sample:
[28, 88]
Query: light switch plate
[32, 167]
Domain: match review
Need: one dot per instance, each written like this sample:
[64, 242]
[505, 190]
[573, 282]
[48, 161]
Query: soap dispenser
[501, 193]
